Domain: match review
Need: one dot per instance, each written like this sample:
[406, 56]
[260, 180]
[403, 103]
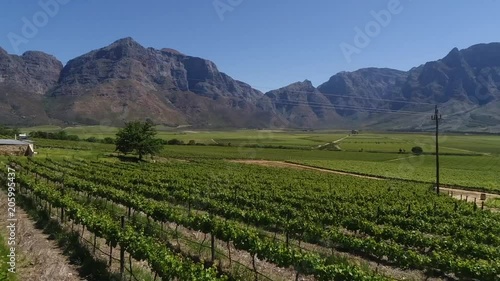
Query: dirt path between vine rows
[457, 193]
[39, 258]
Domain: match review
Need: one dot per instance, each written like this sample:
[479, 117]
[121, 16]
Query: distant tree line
[63, 135]
[6, 131]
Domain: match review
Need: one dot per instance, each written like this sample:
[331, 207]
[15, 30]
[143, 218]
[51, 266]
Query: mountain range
[126, 81]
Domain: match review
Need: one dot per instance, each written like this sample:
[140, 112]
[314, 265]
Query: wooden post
[229, 252]
[212, 246]
[110, 254]
[255, 268]
[189, 200]
[62, 208]
[95, 242]
[482, 205]
[122, 251]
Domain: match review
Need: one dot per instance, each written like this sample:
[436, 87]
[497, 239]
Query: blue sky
[266, 43]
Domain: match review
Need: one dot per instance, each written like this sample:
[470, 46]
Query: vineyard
[294, 221]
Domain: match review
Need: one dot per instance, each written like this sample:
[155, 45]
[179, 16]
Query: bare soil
[39, 258]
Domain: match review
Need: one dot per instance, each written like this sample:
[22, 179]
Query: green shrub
[417, 150]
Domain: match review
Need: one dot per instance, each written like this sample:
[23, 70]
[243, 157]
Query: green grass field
[466, 160]
[375, 142]
[468, 171]
[493, 203]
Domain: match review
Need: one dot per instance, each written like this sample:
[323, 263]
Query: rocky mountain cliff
[368, 89]
[24, 80]
[465, 84]
[126, 81]
[303, 106]
[471, 75]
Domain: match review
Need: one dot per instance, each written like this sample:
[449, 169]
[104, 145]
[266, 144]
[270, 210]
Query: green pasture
[448, 143]
[493, 203]
[466, 160]
[366, 142]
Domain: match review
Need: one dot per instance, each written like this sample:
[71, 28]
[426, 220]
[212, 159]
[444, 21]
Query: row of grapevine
[403, 237]
[167, 264]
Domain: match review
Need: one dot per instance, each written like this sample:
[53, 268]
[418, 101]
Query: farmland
[279, 223]
[467, 160]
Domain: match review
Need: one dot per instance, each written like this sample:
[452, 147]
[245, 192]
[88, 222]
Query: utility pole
[436, 117]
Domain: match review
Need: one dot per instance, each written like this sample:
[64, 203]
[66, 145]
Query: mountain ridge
[125, 81]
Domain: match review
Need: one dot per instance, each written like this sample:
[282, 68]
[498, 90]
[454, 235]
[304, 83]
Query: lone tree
[138, 137]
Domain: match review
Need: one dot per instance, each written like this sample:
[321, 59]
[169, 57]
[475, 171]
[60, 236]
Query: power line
[331, 106]
[384, 110]
[365, 98]
[331, 95]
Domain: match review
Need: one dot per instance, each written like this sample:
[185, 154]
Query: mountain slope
[23, 82]
[303, 106]
[365, 89]
[127, 81]
[465, 84]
